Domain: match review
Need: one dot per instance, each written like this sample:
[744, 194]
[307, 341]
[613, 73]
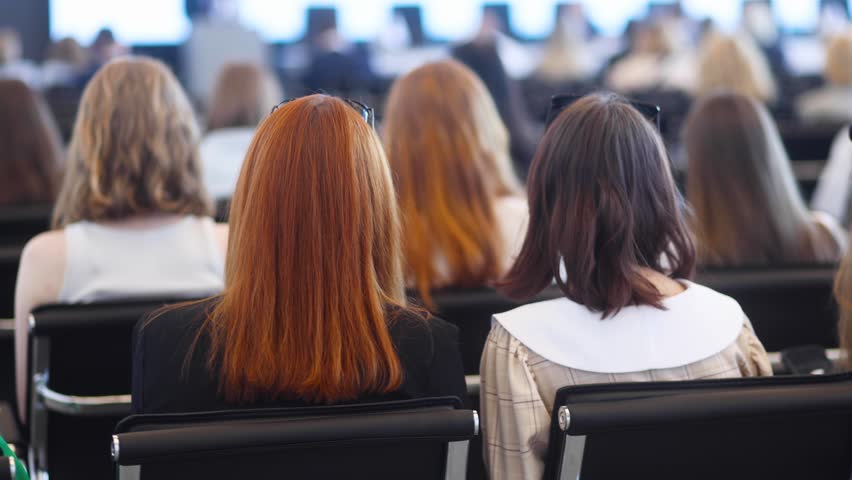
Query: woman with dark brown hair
[30, 150]
[606, 226]
[313, 310]
[748, 210]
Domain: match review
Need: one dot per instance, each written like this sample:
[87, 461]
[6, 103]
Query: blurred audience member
[656, 60]
[748, 210]
[833, 102]
[132, 214]
[843, 295]
[66, 61]
[462, 210]
[565, 58]
[314, 308]
[734, 64]
[759, 26]
[833, 194]
[482, 57]
[30, 161]
[606, 226]
[217, 38]
[106, 47]
[11, 63]
[243, 96]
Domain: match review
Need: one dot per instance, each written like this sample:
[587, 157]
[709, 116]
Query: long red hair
[313, 262]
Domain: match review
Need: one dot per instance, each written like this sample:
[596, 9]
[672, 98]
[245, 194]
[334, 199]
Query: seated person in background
[132, 217]
[314, 307]
[606, 224]
[30, 148]
[843, 295]
[243, 95]
[833, 102]
[734, 64]
[463, 212]
[747, 208]
[833, 194]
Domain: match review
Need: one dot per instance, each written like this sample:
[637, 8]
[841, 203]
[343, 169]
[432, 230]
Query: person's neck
[667, 287]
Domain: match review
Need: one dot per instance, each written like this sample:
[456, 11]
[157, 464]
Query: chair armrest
[106, 405]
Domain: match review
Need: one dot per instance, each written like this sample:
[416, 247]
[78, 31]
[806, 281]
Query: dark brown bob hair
[603, 205]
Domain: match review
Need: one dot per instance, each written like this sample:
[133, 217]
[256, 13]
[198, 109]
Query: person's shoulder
[410, 321]
[45, 250]
[173, 321]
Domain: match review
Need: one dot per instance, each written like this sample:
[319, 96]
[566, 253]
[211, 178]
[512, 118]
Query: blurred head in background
[243, 96]
[748, 210]
[68, 51]
[10, 46]
[734, 64]
[134, 150]
[449, 153]
[838, 61]
[30, 151]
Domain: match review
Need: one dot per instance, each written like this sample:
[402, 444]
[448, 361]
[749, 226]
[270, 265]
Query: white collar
[697, 324]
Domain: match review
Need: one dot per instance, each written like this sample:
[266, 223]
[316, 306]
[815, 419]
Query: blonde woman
[833, 102]
[132, 218]
[734, 64]
[748, 210]
[463, 214]
[243, 96]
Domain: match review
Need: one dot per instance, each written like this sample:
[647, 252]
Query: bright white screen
[134, 22]
[165, 22]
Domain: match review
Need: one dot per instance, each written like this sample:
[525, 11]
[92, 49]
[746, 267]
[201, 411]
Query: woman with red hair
[313, 310]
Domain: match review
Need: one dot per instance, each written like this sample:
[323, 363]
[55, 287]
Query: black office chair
[18, 224]
[788, 307]
[8, 468]
[80, 372]
[412, 439]
[779, 428]
[471, 310]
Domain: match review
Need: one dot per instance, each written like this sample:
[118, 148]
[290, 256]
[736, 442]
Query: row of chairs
[80, 363]
[782, 428]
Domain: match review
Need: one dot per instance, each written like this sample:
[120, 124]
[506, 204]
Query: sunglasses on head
[561, 102]
[367, 113]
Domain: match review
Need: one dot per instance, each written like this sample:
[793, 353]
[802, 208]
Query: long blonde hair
[838, 60]
[308, 318]
[449, 152]
[735, 64]
[747, 207]
[134, 149]
[243, 96]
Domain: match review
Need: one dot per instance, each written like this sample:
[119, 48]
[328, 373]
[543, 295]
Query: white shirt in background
[222, 153]
[835, 182]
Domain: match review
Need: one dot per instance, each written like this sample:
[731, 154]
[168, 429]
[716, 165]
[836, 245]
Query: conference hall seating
[791, 427]
[424, 439]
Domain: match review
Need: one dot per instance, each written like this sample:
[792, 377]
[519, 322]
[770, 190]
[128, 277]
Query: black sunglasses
[367, 113]
[561, 102]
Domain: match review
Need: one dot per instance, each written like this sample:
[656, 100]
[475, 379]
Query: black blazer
[166, 381]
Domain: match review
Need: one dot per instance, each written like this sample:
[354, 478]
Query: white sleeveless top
[697, 323]
[181, 259]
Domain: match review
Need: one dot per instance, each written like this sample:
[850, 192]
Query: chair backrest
[782, 428]
[471, 310]
[787, 306]
[80, 373]
[412, 439]
[18, 224]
